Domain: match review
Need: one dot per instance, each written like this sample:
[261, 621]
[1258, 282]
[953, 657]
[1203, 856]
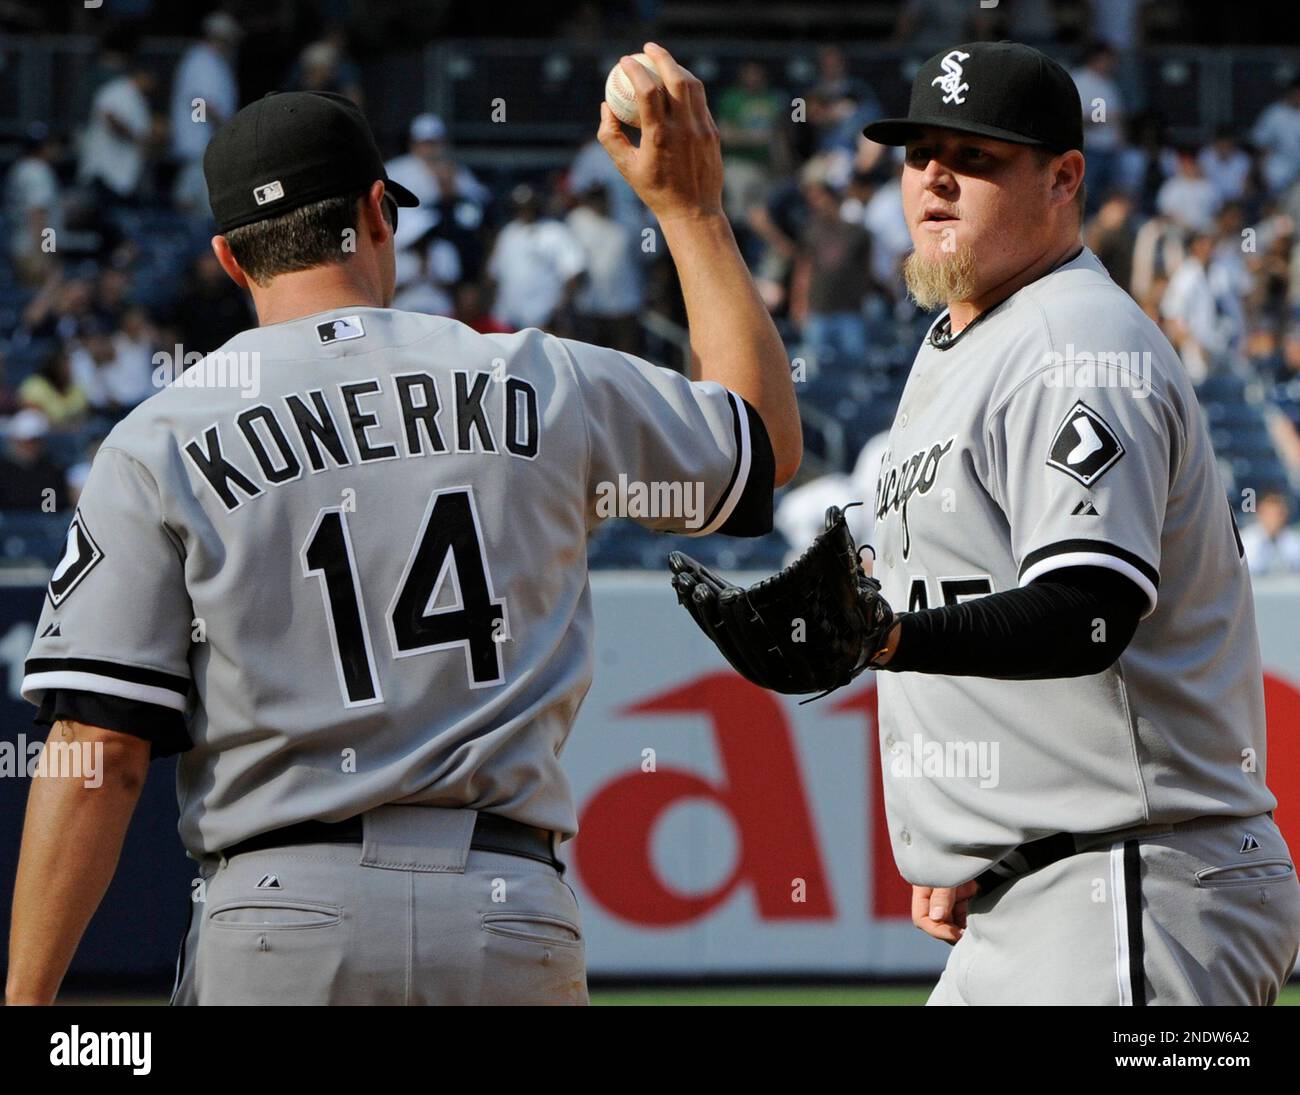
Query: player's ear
[1067, 175]
[373, 220]
[221, 248]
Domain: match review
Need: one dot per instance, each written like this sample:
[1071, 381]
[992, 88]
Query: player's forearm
[1073, 622]
[733, 339]
[72, 837]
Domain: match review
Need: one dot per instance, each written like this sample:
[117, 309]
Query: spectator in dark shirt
[29, 479]
[471, 310]
[57, 311]
[832, 279]
[212, 309]
[1111, 236]
[111, 292]
[778, 223]
[457, 218]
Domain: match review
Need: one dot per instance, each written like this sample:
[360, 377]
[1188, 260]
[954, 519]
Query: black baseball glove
[811, 627]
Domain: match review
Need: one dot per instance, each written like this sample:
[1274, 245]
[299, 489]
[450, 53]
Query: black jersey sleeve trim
[1074, 553]
[106, 678]
[744, 508]
[752, 513]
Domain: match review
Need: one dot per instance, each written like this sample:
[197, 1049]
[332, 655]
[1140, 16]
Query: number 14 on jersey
[449, 545]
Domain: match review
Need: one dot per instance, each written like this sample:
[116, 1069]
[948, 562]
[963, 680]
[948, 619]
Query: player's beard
[932, 283]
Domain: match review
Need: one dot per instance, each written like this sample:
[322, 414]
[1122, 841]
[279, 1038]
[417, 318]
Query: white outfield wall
[726, 830]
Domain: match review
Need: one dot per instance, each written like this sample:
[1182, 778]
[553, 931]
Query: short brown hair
[311, 235]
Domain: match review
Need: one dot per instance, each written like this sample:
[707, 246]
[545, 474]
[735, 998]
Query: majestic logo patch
[954, 91]
[269, 192]
[1084, 446]
[1085, 509]
[80, 556]
[340, 330]
[268, 882]
[1249, 843]
[897, 484]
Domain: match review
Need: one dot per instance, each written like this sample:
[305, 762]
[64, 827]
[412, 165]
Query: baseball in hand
[621, 95]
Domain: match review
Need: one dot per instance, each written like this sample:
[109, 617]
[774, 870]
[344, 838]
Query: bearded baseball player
[353, 596]
[1072, 715]
[1076, 595]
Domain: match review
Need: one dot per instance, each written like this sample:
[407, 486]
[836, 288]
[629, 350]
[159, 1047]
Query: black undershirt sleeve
[162, 727]
[1071, 622]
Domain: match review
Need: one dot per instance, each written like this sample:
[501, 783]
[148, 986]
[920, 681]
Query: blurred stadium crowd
[106, 263]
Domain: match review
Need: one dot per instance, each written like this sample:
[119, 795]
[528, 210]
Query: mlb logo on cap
[339, 330]
[272, 191]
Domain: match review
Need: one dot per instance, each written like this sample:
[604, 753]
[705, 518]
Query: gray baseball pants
[1203, 912]
[410, 916]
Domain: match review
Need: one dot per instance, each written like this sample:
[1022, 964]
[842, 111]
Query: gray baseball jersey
[1014, 453]
[366, 581]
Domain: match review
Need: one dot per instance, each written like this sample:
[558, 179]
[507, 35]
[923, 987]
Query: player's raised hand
[940, 911]
[677, 168]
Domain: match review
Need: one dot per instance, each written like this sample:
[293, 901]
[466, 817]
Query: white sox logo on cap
[950, 83]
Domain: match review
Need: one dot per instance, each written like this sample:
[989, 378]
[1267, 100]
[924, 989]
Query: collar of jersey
[940, 335]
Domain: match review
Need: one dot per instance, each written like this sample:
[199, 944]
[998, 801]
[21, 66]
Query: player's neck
[962, 313]
[308, 292]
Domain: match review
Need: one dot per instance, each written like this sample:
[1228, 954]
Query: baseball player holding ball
[353, 595]
[1072, 730]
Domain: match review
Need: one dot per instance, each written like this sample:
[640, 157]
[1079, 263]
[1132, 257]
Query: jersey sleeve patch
[1084, 446]
[80, 556]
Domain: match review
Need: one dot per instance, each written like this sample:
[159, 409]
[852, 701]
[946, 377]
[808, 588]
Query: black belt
[492, 833]
[1026, 859]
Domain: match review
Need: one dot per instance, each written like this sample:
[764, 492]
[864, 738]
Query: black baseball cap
[289, 149]
[995, 89]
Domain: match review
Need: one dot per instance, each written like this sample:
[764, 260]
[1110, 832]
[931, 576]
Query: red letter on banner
[762, 791]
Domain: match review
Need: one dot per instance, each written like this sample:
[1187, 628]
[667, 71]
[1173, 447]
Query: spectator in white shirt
[592, 166]
[801, 511]
[1103, 119]
[536, 264]
[1272, 547]
[117, 139]
[890, 240]
[32, 205]
[425, 279]
[1277, 136]
[607, 304]
[115, 370]
[1187, 197]
[1226, 164]
[205, 93]
[1117, 22]
[418, 171]
[1201, 316]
